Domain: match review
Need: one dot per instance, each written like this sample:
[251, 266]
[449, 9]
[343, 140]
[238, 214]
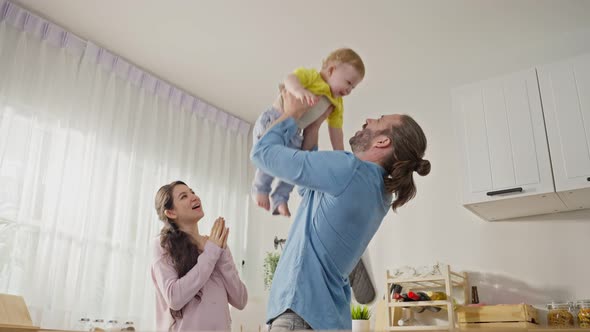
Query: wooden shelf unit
[446, 281]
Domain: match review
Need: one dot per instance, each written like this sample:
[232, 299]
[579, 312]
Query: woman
[194, 275]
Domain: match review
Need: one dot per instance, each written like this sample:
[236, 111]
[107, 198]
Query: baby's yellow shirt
[313, 81]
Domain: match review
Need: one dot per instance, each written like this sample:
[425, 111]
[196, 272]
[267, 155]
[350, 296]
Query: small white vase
[360, 325]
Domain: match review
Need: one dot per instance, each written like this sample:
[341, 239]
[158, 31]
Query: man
[345, 196]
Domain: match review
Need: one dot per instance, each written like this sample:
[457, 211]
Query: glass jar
[97, 325]
[583, 307]
[113, 326]
[128, 327]
[560, 314]
[83, 324]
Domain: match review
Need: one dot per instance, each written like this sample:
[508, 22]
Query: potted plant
[270, 265]
[360, 315]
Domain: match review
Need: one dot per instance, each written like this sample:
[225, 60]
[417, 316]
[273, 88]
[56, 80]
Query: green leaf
[359, 312]
[270, 265]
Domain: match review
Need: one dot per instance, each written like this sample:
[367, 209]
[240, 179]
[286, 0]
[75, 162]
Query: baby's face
[343, 78]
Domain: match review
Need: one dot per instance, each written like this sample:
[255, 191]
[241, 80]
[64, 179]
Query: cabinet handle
[505, 191]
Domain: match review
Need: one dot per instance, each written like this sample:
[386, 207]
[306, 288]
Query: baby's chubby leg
[280, 197]
[261, 185]
[261, 189]
[282, 191]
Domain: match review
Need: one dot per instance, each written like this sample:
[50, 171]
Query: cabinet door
[565, 92]
[502, 138]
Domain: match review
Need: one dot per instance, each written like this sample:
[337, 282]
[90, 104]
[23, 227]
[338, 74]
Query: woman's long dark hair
[177, 244]
[409, 145]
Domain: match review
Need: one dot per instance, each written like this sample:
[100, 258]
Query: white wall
[532, 260]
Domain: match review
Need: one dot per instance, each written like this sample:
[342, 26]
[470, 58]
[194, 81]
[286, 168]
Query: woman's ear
[170, 214]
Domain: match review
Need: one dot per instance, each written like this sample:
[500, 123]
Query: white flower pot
[360, 325]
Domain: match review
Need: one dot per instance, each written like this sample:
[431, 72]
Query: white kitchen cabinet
[565, 92]
[503, 145]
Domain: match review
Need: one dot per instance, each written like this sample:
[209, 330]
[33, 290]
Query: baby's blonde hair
[345, 55]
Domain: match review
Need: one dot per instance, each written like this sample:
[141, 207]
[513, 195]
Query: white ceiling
[233, 53]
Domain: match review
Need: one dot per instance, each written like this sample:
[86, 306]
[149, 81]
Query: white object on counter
[360, 325]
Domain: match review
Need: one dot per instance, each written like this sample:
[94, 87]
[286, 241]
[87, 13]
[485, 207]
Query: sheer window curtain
[86, 139]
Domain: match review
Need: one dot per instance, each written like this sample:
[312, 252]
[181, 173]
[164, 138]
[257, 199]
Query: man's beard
[362, 141]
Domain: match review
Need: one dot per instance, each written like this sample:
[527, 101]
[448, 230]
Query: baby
[341, 72]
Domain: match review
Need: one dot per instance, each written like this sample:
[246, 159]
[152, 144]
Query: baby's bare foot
[284, 210]
[262, 201]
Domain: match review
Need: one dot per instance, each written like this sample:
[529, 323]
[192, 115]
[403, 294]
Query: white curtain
[86, 139]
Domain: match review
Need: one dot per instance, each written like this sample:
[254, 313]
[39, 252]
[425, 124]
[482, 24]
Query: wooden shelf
[536, 329]
[446, 280]
[419, 303]
[418, 328]
[487, 329]
[14, 328]
[428, 282]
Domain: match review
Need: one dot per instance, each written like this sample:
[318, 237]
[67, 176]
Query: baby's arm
[294, 87]
[337, 138]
